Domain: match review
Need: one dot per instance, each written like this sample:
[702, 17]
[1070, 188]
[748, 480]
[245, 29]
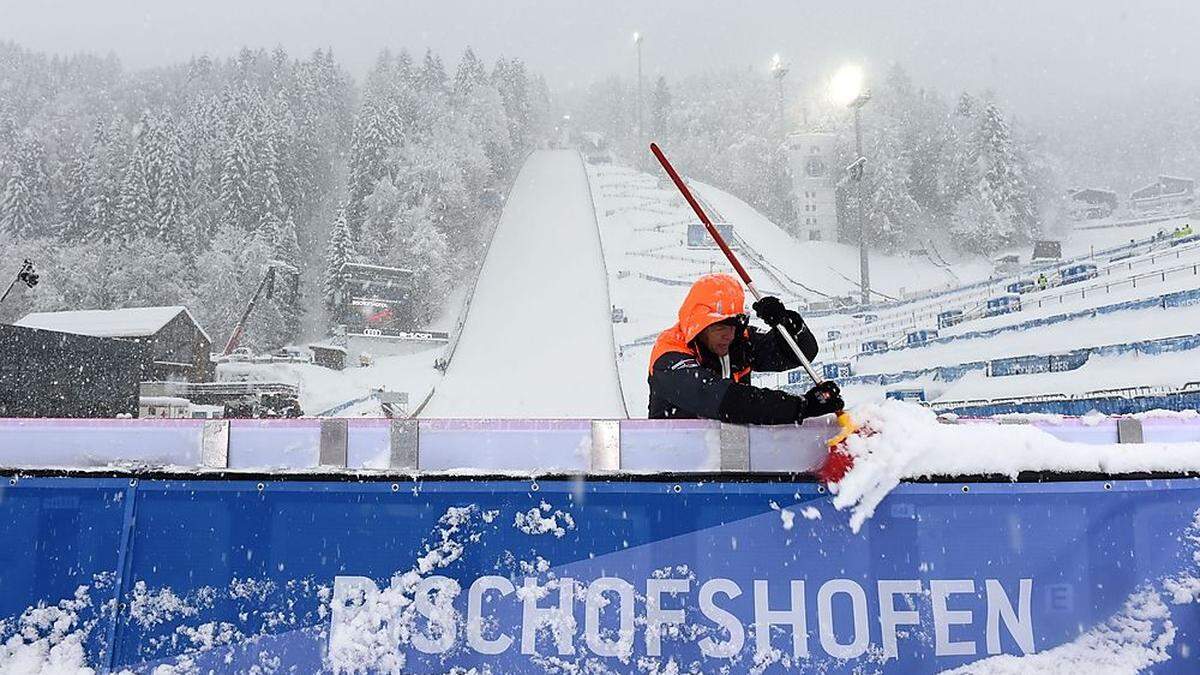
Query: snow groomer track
[522, 546]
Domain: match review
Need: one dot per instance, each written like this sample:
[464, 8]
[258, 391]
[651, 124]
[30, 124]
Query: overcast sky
[1030, 52]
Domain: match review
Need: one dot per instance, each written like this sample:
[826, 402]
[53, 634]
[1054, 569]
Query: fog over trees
[178, 185]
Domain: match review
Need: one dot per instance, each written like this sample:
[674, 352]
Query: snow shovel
[839, 461]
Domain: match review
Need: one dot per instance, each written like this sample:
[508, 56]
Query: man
[701, 366]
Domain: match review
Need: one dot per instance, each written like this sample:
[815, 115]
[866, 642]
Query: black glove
[772, 312]
[823, 399]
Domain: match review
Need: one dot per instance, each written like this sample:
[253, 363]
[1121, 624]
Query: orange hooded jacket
[688, 381]
[712, 299]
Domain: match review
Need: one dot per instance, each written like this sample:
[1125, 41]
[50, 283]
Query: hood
[713, 298]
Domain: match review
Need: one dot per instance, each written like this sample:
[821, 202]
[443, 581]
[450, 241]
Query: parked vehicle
[1077, 273]
[1004, 304]
[918, 337]
[950, 317]
[1021, 286]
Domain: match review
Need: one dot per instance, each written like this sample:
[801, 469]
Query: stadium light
[779, 70]
[848, 86]
[26, 275]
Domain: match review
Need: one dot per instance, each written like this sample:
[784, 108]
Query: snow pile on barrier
[903, 440]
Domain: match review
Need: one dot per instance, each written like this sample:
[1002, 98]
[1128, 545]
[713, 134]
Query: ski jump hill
[538, 339]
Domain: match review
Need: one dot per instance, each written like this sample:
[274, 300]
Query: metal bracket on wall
[405, 434]
[606, 445]
[214, 444]
[1129, 430]
[334, 441]
[735, 447]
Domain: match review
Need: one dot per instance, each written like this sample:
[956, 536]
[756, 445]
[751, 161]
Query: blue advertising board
[698, 236]
[513, 576]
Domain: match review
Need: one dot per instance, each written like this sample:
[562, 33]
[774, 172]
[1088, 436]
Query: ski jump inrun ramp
[538, 341]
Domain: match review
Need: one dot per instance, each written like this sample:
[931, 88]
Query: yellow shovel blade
[848, 427]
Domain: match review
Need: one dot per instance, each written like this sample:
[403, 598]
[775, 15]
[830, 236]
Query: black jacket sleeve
[680, 379]
[769, 352]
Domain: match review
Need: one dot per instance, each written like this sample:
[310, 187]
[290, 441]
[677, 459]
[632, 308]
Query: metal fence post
[334, 439]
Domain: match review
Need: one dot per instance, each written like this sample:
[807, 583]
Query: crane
[267, 285]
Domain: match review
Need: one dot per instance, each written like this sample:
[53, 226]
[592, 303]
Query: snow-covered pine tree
[433, 74]
[484, 109]
[339, 252]
[660, 109]
[1002, 179]
[891, 213]
[25, 203]
[171, 208]
[512, 82]
[428, 253]
[235, 191]
[287, 299]
[368, 153]
[17, 210]
[471, 73]
[135, 201]
[107, 149]
[378, 241]
[80, 194]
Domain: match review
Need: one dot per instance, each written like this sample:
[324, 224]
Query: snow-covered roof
[1160, 187]
[127, 322]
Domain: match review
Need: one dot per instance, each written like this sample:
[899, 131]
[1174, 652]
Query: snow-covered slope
[537, 340]
[831, 267]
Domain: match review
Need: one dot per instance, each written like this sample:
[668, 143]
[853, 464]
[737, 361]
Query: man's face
[717, 338]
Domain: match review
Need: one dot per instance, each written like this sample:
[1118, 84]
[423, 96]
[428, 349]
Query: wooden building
[177, 347]
[1091, 203]
[1167, 194]
[45, 373]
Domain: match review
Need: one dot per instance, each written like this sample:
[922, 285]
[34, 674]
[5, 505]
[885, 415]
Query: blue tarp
[429, 576]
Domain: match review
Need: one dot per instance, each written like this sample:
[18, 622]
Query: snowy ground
[830, 267]
[322, 389]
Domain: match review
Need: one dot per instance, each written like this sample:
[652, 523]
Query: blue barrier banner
[510, 576]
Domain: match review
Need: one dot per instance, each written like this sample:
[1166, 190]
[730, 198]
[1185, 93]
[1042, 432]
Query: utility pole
[864, 261]
[847, 87]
